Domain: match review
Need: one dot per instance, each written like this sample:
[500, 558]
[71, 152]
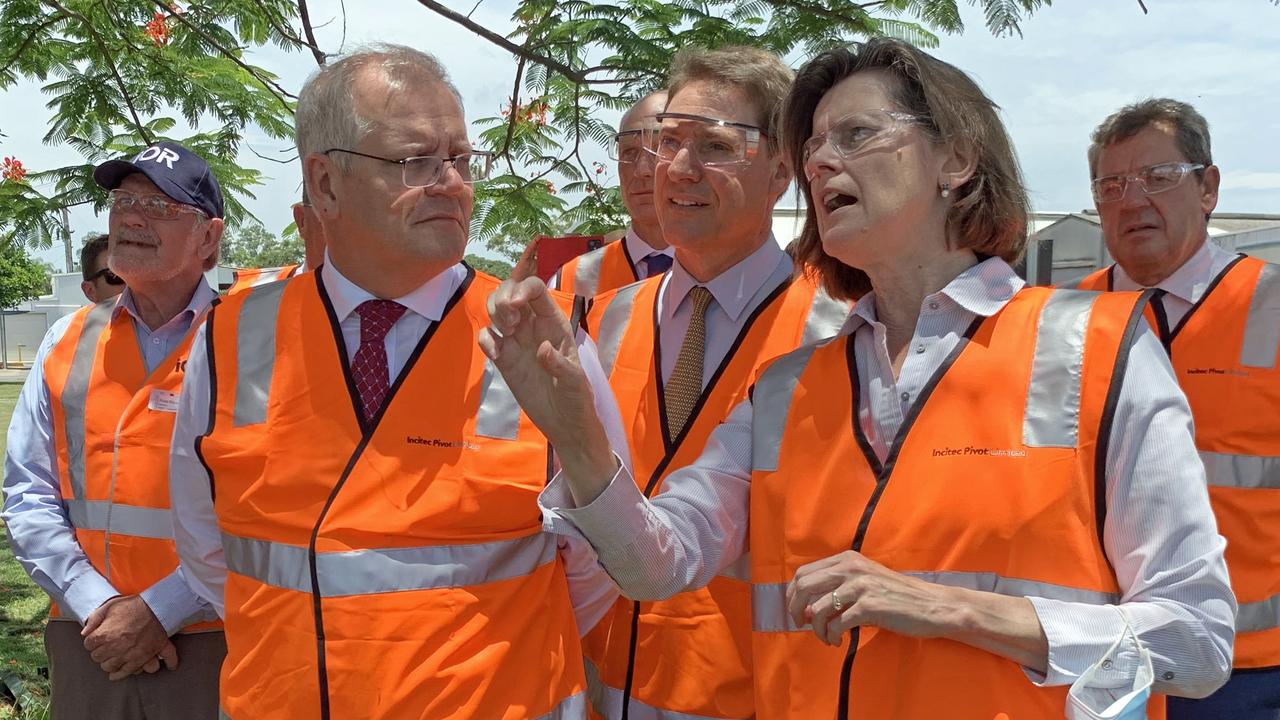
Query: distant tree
[253, 246]
[496, 268]
[22, 277]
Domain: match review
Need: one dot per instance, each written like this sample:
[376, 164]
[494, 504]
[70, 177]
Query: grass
[23, 609]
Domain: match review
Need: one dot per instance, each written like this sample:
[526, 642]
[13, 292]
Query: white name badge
[163, 401]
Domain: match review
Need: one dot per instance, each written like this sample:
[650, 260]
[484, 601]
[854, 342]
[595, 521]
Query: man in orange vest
[1218, 315]
[357, 485]
[86, 492]
[312, 233]
[680, 351]
[642, 252]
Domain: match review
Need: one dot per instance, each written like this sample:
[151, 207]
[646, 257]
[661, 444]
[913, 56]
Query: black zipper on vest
[366, 434]
[673, 445]
[883, 473]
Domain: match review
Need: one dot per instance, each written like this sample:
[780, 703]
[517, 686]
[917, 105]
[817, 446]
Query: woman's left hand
[868, 594]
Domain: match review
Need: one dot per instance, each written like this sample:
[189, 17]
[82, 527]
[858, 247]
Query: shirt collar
[733, 288]
[201, 297]
[983, 290]
[427, 300]
[1187, 282]
[638, 249]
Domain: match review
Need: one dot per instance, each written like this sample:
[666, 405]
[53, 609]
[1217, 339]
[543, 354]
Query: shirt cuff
[611, 522]
[87, 593]
[173, 603]
[1080, 635]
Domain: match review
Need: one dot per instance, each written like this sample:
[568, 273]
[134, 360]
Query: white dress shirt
[735, 293]
[1159, 534]
[196, 531]
[1185, 286]
[40, 532]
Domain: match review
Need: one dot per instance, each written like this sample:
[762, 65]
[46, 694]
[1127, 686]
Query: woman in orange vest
[979, 495]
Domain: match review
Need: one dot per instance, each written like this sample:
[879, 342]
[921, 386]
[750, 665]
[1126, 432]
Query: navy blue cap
[179, 173]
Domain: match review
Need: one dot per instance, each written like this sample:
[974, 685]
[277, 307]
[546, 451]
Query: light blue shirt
[40, 532]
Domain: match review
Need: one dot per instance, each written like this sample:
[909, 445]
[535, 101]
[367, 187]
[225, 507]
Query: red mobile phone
[556, 251]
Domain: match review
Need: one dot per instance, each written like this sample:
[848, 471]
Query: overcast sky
[1076, 62]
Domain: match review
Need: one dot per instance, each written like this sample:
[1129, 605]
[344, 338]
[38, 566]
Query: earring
[946, 189]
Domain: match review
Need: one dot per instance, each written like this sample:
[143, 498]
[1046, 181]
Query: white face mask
[1088, 700]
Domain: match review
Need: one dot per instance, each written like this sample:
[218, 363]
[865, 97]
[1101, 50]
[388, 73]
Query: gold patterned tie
[685, 384]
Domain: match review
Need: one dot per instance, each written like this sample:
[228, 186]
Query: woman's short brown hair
[988, 213]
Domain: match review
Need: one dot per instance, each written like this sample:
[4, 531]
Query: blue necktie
[656, 264]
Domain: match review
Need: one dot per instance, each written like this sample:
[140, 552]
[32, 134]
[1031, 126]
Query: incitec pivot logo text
[438, 443]
[971, 450]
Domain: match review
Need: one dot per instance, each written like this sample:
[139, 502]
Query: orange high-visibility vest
[690, 654]
[112, 426]
[599, 271]
[391, 567]
[245, 278]
[1012, 504]
[1224, 353]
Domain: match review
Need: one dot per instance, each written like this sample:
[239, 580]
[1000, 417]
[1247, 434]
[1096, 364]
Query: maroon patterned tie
[369, 366]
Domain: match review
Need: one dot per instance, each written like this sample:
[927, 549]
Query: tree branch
[511, 115]
[305, 17]
[821, 11]
[502, 42]
[281, 26]
[271, 87]
[115, 72]
[34, 32]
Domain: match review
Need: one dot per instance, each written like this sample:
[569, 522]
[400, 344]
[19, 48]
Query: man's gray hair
[1190, 129]
[326, 115]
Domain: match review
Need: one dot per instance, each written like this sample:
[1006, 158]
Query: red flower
[157, 29]
[12, 170]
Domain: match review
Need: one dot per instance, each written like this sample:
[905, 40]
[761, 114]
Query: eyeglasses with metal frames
[714, 142]
[860, 131]
[426, 170]
[1153, 179]
[151, 205]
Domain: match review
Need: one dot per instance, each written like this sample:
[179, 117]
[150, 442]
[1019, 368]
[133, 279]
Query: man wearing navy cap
[86, 486]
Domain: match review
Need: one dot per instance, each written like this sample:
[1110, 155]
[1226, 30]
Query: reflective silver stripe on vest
[1252, 472]
[1262, 329]
[573, 707]
[586, 277]
[1053, 399]
[770, 403]
[826, 316]
[1259, 616]
[739, 569]
[769, 609]
[255, 353]
[607, 702]
[614, 325]
[366, 572]
[1017, 587]
[499, 414]
[769, 600]
[76, 390]
[120, 519]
